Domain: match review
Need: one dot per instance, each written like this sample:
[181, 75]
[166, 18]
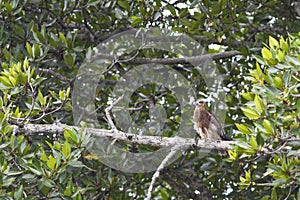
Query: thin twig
[174, 149]
[32, 99]
[51, 112]
[129, 109]
[107, 112]
[55, 74]
[263, 184]
[287, 197]
[45, 113]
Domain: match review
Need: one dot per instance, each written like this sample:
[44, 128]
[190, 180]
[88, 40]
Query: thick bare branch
[169, 61]
[129, 138]
[185, 60]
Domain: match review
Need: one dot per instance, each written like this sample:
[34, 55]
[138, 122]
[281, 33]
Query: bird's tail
[226, 138]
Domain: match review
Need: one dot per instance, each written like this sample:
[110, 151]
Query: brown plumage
[207, 125]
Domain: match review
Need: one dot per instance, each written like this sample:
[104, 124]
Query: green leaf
[29, 49]
[61, 94]
[243, 145]
[35, 171]
[13, 80]
[266, 197]
[273, 42]
[136, 21]
[7, 55]
[71, 136]
[259, 59]
[41, 98]
[243, 128]
[171, 9]
[278, 82]
[280, 55]
[284, 45]
[6, 182]
[248, 96]
[253, 143]
[13, 173]
[274, 194]
[248, 176]
[36, 50]
[4, 145]
[266, 54]
[298, 106]
[287, 78]
[250, 113]
[47, 182]
[293, 60]
[118, 13]
[29, 177]
[258, 103]
[183, 12]
[93, 3]
[77, 163]
[18, 194]
[268, 126]
[49, 144]
[186, 22]
[232, 155]
[68, 190]
[62, 38]
[8, 7]
[37, 35]
[66, 150]
[259, 139]
[38, 81]
[51, 162]
[57, 145]
[272, 92]
[259, 71]
[43, 156]
[5, 81]
[293, 152]
[68, 92]
[69, 59]
[1, 104]
[280, 182]
[124, 4]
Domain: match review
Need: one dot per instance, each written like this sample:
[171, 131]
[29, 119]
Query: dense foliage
[43, 44]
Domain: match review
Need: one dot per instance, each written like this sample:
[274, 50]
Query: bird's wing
[215, 125]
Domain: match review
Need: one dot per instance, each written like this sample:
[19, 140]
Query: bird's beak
[196, 103]
[200, 101]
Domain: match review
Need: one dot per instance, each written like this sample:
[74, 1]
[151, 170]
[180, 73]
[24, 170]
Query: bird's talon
[196, 142]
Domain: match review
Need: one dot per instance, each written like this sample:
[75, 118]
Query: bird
[206, 124]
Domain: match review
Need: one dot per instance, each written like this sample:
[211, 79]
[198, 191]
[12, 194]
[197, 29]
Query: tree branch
[129, 138]
[107, 112]
[173, 151]
[185, 60]
[54, 74]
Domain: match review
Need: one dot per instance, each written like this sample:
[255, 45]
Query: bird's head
[200, 103]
